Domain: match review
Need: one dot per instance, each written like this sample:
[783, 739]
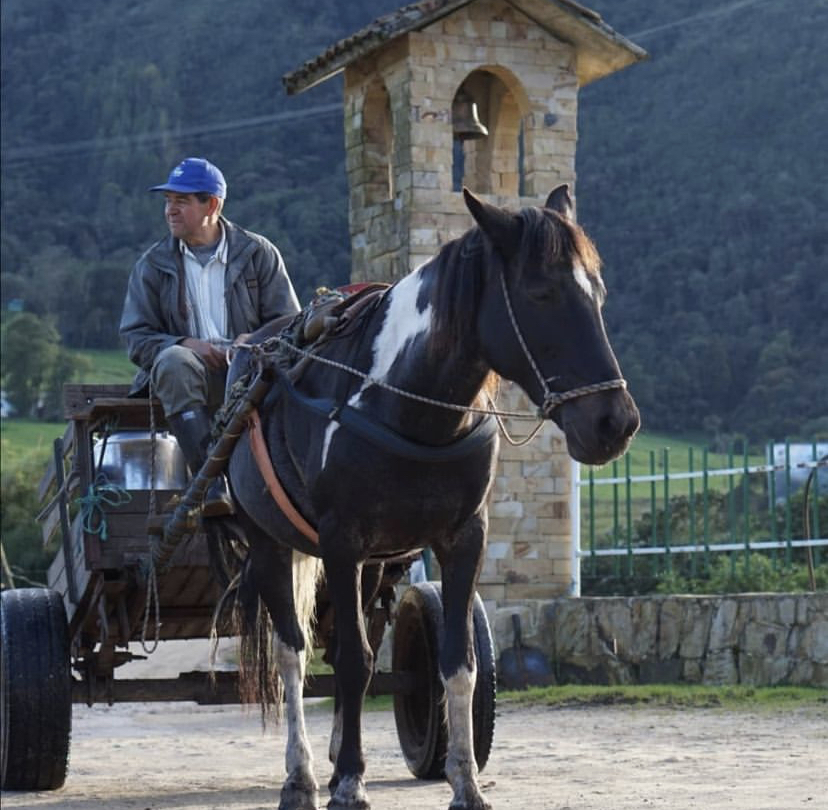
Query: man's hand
[213, 357]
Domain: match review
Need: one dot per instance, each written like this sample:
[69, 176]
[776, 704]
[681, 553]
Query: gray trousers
[182, 381]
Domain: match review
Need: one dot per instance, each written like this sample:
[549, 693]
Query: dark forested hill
[701, 175]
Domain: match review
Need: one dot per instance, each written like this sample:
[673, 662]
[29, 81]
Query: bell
[466, 124]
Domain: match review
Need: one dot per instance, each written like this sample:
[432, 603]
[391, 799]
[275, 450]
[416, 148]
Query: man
[189, 297]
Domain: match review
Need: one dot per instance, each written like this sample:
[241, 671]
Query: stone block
[613, 622]
[528, 571]
[720, 668]
[510, 509]
[762, 670]
[815, 642]
[498, 551]
[557, 586]
[695, 629]
[644, 617]
[723, 629]
[670, 625]
[763, 639]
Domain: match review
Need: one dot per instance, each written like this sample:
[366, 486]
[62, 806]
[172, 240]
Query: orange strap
[259, 450]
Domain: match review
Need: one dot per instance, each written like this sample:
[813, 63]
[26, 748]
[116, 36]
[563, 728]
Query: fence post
[706, 511]
[788, 527]
[668, 560]
[616, 563]
[630, 565]
[692, 508]
[774, 531]
[746, 506]
[654, 527]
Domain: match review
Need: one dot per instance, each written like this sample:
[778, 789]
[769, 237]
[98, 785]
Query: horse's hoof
[350, 794]
[471, 801]
[299, 795]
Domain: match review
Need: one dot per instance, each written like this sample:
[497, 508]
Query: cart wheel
[36, 684]
[419, 716]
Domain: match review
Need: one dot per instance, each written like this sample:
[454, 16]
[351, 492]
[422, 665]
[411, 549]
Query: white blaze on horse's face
[403, 323]
[591, 284]
[583, 281]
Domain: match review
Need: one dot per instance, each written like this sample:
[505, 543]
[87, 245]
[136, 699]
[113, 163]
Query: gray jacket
[257, 289]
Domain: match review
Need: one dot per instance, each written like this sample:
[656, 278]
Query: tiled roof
[416, 16]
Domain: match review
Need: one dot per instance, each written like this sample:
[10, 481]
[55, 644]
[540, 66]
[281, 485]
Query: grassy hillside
[700, 173]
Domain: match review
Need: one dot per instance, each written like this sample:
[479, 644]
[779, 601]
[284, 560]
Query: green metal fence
[654, 510]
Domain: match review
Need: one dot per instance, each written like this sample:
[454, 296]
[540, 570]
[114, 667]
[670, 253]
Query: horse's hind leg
[460, 565]
[371, 580]
[353, 665]
[286, 581]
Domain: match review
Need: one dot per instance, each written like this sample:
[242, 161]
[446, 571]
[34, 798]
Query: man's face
[187, 218]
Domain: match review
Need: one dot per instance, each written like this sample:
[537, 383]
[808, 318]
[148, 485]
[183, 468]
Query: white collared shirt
[205, 292]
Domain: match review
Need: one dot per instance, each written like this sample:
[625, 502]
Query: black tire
[36, 682]
[419, 716]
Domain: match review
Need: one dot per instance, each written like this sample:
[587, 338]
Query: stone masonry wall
[415, 79]
[755, 639]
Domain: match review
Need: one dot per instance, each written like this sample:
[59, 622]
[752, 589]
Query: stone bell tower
[482, 93]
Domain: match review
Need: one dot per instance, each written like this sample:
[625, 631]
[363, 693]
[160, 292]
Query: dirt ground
[154, 756]
[185, 757]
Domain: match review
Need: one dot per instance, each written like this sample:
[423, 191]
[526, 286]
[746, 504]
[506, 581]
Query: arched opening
[377, 144]
[494, 163]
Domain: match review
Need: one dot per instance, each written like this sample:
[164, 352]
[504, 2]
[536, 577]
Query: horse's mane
[457, 280]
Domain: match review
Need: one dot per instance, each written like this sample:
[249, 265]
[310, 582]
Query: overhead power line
[89, 145]
[704, 15]
[24, 154]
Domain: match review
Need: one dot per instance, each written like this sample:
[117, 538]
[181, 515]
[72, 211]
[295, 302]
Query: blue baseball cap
[193, 175]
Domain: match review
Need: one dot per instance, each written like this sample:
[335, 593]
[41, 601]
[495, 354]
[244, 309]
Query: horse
[384, 445]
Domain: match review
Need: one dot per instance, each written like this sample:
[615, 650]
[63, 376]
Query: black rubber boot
[192, 430]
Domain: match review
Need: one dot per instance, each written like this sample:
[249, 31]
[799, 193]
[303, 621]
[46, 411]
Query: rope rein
[551, 399]
[152, 575]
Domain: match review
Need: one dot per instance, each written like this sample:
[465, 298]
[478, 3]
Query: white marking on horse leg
[350, 792]
[298, 756]
[583, 280]
[461, 766]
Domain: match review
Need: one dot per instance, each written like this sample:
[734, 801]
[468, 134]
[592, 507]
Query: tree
[34, 365]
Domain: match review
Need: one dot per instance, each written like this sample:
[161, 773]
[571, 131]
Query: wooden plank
[67, 445]
[49, 523]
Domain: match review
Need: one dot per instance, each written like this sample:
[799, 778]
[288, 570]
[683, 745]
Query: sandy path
[154, 756]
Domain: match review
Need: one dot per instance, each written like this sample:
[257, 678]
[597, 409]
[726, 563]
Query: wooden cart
[64, 643]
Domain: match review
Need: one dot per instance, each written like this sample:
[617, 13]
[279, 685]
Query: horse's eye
[542, 288]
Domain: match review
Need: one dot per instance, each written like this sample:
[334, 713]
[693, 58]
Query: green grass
[677, 696]
[641, 492]
[673, 695]
[27, 441]
[110, 366]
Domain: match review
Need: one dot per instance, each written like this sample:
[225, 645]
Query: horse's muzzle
[599, 427]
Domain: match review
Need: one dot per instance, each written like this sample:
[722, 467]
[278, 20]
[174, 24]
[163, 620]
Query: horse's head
[540, 324]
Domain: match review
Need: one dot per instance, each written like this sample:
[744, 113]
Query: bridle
[552, 399]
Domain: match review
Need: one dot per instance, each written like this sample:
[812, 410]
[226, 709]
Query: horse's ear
[561, 201]
[500, 226]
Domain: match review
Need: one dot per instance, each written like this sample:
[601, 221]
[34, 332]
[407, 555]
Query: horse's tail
[250, 621]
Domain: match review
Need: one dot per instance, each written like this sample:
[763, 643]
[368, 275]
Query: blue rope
[101, 493]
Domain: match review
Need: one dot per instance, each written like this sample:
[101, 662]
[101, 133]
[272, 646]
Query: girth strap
[274, 486]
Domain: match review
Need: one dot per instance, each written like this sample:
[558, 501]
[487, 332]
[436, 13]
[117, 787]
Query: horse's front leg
[291, 623]
[460, 564]
[353, 664]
